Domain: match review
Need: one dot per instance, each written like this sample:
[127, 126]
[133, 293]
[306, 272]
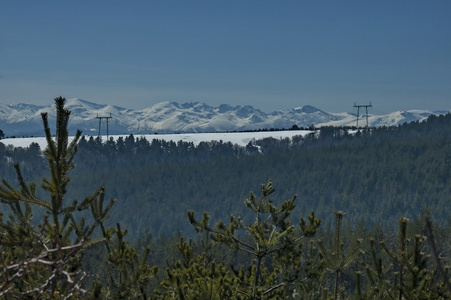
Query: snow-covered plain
[239, 138]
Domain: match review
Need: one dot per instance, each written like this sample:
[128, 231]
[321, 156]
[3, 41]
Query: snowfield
[238, 138]
[21, 119]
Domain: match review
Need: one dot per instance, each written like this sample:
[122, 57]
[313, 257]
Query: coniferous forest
[338, 214]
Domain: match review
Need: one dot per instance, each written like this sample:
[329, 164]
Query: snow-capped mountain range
[171, 117]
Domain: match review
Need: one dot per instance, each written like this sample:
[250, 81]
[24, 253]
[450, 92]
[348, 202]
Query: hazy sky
[269, 54]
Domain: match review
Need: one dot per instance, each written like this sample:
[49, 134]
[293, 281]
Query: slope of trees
[376, 175]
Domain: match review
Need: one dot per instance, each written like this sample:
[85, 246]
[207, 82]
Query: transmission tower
[100, 122]
[358, 112]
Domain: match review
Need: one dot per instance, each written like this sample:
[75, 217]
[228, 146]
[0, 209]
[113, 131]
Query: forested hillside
[376, 175]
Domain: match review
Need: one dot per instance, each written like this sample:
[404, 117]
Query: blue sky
[269, 54]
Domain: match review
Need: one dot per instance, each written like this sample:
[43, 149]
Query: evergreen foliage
[44, 260]
[197, 276]
[336, 259]
[271, 236]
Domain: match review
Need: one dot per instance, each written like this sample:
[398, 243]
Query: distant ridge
[169, 117]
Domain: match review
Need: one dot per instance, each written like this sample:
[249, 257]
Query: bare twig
[435, 253]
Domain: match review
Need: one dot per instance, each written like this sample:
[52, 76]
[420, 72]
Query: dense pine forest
[340, 213]
[375, 175]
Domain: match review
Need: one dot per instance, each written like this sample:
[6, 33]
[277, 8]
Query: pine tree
[271, 238]
[197, 277]
[413, 276]
[337, 259]
[44, 260]
[129, 274]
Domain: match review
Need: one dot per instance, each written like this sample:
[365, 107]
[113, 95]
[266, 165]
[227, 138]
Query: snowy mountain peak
[166, 117]
[308, 109]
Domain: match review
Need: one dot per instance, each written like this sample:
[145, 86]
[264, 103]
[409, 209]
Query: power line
[100, 122]
[358, 112]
